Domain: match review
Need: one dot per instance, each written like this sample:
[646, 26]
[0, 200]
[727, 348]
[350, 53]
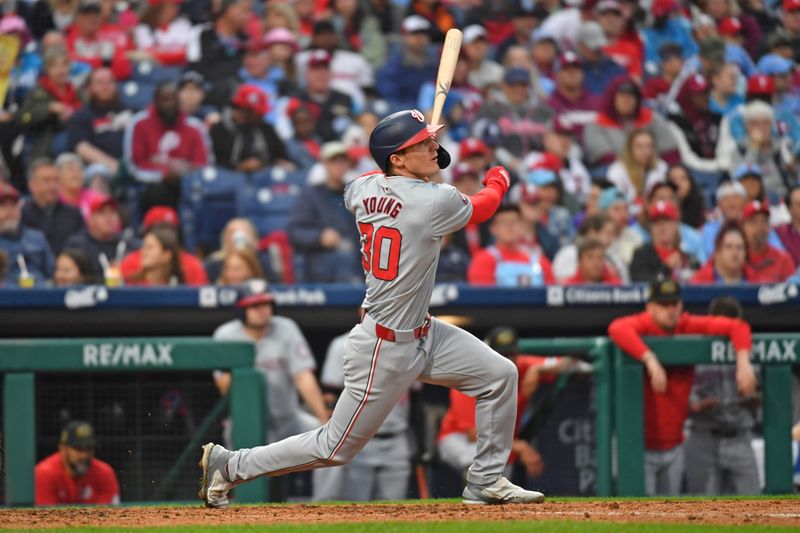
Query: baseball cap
[516, 75]
[415, 24]
[160, 214]
[254, 293]
[664, 290]
[730, 188]
[332, 149]
[662, 210]
[471, 146]
[670, 50]
[462, 170]
[760, 84]
[503, 340]
[192, 76]
[604, 6]
[524, 8]
[591, 35]
[547, 161]
[473, 32]
[662, 8]
[323, 26]
[319, 58]
[255, 45]
[774, 64]
[100, 201]
[747, 169]
[542, 34]
[79, 435]
[791, 5]
[696, 83]
[251, 98]
[729, 26]
[8, 192]
[609, 197]
[568, 58]
[755, 208]
[280, 36]
[542, 177]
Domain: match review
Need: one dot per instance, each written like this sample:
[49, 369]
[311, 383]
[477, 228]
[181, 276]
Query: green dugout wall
[21, 359]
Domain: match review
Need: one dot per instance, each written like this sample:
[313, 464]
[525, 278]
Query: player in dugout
[666, 397]
[72, 475]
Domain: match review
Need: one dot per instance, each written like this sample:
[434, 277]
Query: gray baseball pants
[718, 465]
[663, 471]
[377, 372]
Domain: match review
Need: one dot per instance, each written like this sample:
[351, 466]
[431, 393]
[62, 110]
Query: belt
[396, 335]
[725, 433]
[385, 436]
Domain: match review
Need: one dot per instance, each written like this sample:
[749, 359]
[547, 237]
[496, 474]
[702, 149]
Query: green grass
[540, 526]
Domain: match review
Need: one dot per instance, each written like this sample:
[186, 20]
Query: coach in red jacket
[666, 399]
[72, 475]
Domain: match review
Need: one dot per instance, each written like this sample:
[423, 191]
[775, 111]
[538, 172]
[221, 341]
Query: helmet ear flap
[443, 157]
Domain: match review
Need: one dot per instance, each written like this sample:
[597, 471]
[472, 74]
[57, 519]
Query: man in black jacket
[101, 239]
[662, 256]
[336, 108]
[45, 212]
[242, 140]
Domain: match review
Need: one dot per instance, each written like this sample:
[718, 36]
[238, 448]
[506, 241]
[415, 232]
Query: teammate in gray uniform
[402, 217]
[382, 468]
[718, 452]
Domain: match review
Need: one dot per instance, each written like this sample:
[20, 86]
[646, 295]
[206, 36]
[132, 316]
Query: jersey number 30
[374, 242]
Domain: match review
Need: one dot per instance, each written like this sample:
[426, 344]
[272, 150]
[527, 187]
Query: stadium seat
[136, 95]
[268, 197]
[151, 74]
[708, 183]
[208, 202]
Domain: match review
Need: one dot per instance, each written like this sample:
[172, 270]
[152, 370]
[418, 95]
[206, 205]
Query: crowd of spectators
[643, 138]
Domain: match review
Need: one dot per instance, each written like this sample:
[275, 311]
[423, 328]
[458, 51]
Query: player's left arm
[487, 200]
[740, 334]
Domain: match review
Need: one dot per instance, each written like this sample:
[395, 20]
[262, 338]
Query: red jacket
[482, 268]
[609, 278]
[708, 275]
[664, 414]
[773, 266]
[151, 144]
[193, 270]
[90, 50]
[55, 486]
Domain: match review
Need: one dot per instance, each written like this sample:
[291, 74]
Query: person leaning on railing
[666, 400]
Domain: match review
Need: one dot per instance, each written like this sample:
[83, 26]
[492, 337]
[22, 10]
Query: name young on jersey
[382, 204]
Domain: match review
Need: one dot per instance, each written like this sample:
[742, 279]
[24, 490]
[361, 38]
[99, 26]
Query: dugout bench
[21, 359]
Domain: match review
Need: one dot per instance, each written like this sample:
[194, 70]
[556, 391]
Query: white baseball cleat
[501, 491]
[214, 485]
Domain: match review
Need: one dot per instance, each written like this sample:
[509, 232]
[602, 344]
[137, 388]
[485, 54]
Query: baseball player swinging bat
[447, 66]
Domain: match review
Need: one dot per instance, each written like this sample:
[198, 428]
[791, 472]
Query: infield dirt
[779, 512]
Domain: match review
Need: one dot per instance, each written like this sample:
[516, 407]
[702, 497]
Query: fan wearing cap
[192, 89]
[669, 67]
[409, 66]
[599, 70]
[350, 73]
[336, 109]
[623, 47]
[623, 110]
[595, 228]
[101, 239]
[216, 50]
[787, 31]
[242, 140]
[73, 475]
[162, 144]
[322, 229]
[507, 263]
[724, 10]
[164, 32]
[782, 70]
[26, 249]
[728, 265]
[91, 41]
[483, 72]
[191, 267]
[730, 29]
[592, 268]
[666, 394]
[525, 18]
[574, 104]
[437, 13]
[694, 118]
[95, 132]
[543, 181]
[690, 242]
[44, 211]
[522, 121]
[770, 264]
[669, 26]
[662, 255]
[456, 440]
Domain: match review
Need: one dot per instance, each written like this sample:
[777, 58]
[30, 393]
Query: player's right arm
[626, 332]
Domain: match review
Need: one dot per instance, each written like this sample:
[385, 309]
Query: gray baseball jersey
[281, 355]
[401, 221]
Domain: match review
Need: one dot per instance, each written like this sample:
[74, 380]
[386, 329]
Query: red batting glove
[498, 175]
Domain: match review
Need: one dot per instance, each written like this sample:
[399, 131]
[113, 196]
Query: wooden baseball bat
[447, 66]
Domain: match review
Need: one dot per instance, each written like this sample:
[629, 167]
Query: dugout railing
[22, 360]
